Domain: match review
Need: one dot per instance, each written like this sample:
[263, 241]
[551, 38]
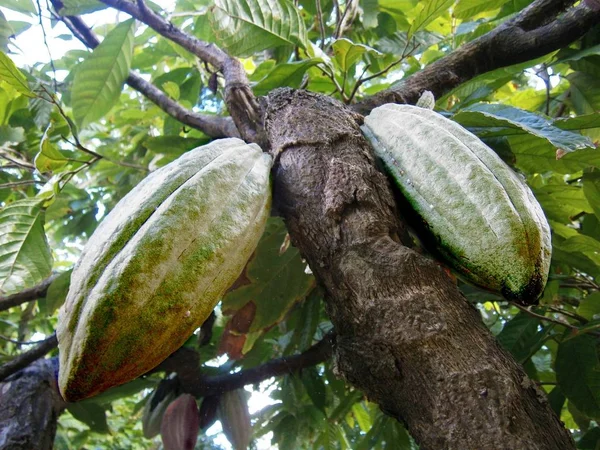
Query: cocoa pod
[157, 265]
[180, 424]
[235, 418]
[472, 209]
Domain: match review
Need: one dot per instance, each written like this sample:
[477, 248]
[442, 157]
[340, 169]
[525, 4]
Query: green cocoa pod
[159, 262]
[235, 418]
[480, 216]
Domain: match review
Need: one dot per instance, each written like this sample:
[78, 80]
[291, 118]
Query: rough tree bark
[405, 334]
[29, 407]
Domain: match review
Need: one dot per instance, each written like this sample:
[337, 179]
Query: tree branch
[213, 126]
[185, 363]
[528, 36]
[27, 294]
[239, 98]
[24, 359]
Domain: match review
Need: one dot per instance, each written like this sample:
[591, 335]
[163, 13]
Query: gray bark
[29, 408]
[405, 334]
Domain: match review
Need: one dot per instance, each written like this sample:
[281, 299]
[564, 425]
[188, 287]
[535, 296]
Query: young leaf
[245, 27]
[99, 79]
[431, 10]
[49, 158]
[13, 76]
[25, 258]
[289, 74]
[465, 9]
[347, 53]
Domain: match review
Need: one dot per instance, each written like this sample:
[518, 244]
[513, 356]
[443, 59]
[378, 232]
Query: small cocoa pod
[180, 424]
[476, 213]
[235, 418]
[156, 266]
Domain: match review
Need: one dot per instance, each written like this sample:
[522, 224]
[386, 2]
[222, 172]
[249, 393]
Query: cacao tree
[343, 330]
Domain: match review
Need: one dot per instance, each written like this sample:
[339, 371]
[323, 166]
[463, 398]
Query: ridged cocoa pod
[180, 424]
[472, 209]
[235, 418]
[156, 266]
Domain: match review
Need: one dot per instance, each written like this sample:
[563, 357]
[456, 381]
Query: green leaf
[465, 9]
[245, 27]
[589, 307]
[347, 53]
[315, 387]
[78, 7]
[25, 258]
[517, 121]
[590, 440]
[362, 417]
[172, 89]
[569, 54]
[6, 32]
[49, 158]
[591, 189]
[10, 134]
[578, 373]
[431, 10]
[57, 293]
[172, 145]
[581, 243]
[13, 76]
[92, 414]
[289, 74]
[585, 92]
[556, 399]
[22, 6]
[519, 336]
[99, 79]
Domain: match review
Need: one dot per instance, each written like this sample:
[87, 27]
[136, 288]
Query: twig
[27, 295]
[15, 341]
[404, 54]
[240, 100]
[185, 363]
[572, 315]
[22, 164]
[547, 319]
[321, 25]
[79, 146]
[47, 46]
[19, 183]
[24, 359]
[213, 126]
[338, 88]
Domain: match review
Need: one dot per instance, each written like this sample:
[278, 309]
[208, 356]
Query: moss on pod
[159, 262]
[482, 218]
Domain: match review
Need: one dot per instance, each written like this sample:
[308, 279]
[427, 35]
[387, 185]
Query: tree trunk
[29, 408]
[405, 334]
